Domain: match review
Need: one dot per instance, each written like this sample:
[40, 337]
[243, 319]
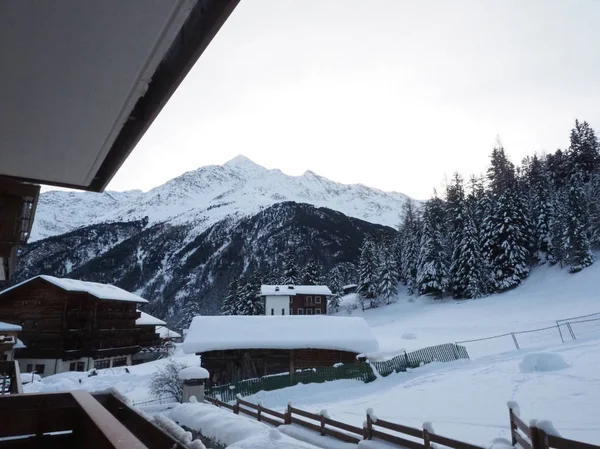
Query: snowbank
[231, 430]
[542, 362]
[193, 372]
[351, 334]
[100, 291]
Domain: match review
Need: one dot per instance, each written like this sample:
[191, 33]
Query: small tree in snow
[166, 382]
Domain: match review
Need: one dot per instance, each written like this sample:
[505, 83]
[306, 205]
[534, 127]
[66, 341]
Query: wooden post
[369, 427]
[542, 438]
[513, 427]
[534, 434]
[322, 425]
[236, 407]
[288, 414]
[426, 440]
[258, 410]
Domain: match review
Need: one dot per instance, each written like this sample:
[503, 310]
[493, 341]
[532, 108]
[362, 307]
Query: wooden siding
[69, 325]
[238, 364]
[149, 337]
[307, 302]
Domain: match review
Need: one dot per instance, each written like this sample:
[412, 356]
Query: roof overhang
[81, 82]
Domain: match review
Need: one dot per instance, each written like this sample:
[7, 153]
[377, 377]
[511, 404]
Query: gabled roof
[214, 333]
[146, 319]
[165, 332]
[101, 291]
[292, 290]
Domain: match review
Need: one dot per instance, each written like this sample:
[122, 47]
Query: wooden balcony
[76, 420]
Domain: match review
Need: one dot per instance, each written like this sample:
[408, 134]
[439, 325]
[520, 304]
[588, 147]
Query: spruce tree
[578, 253]
[367, 269]
[313, 273]
[410, 238]
[506, 245]
[471, 275]
[584, 151]
[291, 275]
[432, 272]
[228, 306]
[388, 275]
[333, 303]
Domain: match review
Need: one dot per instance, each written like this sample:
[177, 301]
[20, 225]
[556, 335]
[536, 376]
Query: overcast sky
[392, 94]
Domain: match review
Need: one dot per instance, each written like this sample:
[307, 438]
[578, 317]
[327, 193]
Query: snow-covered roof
[349, 286]
[213, 333]
[165, 332]
[19, 345]
[7, 327]
[148, 320]
[193, 372]
[292, 290]
[100, 291]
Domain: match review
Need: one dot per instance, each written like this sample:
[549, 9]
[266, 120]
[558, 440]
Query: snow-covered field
[466, 399]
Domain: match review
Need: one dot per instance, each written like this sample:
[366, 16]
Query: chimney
[277, 288]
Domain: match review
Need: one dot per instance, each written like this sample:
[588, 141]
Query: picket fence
[362, 371]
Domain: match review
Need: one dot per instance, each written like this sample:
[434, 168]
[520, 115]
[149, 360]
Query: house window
[291, 300]
[272, 311]
[72, 366]
[283, 311]
[300, 311]
[318, 311]
[102, 364]
[40, 369]
[317, 300]
[29, 367]
[309, 300]
[119, 361]
[309, 311]
[80, 366]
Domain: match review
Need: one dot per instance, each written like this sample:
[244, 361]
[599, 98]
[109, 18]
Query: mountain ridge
[208, 194]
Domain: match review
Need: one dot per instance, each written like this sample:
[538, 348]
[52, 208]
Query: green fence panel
[358, 371]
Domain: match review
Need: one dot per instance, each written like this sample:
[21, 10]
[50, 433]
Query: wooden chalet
[70, 325]
[241, 347]
[151, 344]
[295, 299]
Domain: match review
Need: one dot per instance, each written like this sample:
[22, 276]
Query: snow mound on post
[514, 407]
[548, 427]
[540, 362]
[192, 373]
[217, 333]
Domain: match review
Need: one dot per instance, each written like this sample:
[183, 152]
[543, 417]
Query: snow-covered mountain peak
[201, 197]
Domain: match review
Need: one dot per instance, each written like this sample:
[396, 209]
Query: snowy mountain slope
[549, 294]
[172, 264]
[209, 194]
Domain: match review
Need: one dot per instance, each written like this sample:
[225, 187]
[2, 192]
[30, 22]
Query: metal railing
[565, 330]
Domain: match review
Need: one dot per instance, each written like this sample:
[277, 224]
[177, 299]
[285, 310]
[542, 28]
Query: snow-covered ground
[548, 295]
[466, 399]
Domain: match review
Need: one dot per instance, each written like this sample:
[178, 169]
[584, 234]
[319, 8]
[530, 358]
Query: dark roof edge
[201, 26]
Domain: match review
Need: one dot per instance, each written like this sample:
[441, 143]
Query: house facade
[295, 299]
[238, 347]
[71, 325]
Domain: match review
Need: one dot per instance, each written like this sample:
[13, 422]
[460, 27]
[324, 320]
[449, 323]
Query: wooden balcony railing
[76, 420]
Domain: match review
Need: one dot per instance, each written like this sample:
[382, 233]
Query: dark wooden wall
[238, 364]
[149, 337]
[301, 302]
[69, 325]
